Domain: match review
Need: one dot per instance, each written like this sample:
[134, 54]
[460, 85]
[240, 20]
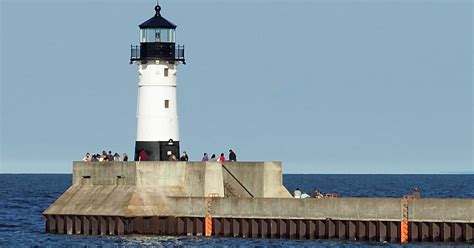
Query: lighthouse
[157, 58]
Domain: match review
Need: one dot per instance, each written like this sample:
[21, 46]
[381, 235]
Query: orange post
[404, 232]
[404, 221]
[208, 218]
[208, 227]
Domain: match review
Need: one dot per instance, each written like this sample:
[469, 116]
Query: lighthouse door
[167, 148]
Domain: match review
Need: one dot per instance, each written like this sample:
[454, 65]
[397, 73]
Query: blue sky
[323, 86]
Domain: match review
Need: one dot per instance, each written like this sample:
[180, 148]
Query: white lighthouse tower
[157, 58]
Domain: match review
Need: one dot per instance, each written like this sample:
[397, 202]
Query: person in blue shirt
[205, 157]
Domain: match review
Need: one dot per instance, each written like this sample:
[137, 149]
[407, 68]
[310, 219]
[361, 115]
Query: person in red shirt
[221, 158]
[143, 156]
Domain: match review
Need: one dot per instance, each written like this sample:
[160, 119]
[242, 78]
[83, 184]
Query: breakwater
[239, 199]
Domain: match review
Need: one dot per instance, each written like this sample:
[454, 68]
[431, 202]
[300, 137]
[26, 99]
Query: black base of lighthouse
[157, 150]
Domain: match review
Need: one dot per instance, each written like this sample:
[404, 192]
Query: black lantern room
[157, 41]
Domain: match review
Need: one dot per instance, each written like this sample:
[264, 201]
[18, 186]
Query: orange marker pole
[404, 232]
[208, 226]
[404, 222]
[208, 218]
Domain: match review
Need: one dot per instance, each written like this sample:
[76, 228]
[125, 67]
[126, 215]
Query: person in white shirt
[87, 158]
[116, 157]
[297, 193]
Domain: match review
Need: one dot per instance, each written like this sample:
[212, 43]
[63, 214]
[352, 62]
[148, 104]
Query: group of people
[104, 156]
[317, 194]
[183, 157]
[221, 158]
[143, 156]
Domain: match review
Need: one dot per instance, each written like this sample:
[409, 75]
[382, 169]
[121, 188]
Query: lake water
[24, 197]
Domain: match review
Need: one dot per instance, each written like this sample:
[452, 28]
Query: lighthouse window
[151, 35]
[167, 103]
[166, 72]
[143, 35]
[157, 35]
[172, 35]
[164, 34]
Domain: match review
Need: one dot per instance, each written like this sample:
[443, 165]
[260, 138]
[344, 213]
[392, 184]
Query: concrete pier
[239, 199]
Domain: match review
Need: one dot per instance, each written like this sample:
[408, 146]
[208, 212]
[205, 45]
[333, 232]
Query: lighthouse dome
[157, 21]
[157, 41]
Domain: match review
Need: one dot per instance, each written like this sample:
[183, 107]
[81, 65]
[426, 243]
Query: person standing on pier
[221, 158]
[87, 158]
[213, 157]
[318, 194]
[416, 193]
[173, 157]
[125, 157]
[142, 156]
[184, 157]
[205, 157]
[110, 157]
[116, 157]
[232, 156]
[297, 193]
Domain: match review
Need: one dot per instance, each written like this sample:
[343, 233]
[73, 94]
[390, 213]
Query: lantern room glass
[157, 35]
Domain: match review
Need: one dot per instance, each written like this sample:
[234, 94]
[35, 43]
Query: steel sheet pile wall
[261, 228]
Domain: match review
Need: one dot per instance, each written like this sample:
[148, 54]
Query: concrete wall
[273, 180]
[169, 178]
[363, 209]
[104, 173]
[130, 201]
[181, 188]
[195, 176]
[213, 179]
[290, 208]
[141, 188]
[249, 174]
[433, 210]
[262, 179]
